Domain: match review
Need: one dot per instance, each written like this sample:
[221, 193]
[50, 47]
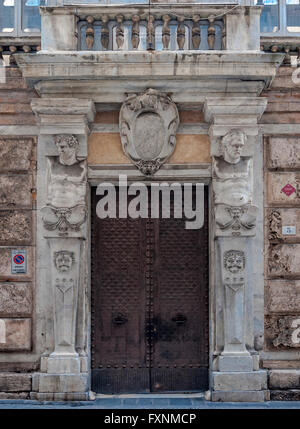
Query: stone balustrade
[147, 31]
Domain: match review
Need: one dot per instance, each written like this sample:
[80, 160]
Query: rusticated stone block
[281, 118]
[284, 260]
[14, 395]
[15, 382]
[284, 153]
[15, 334]
[15, 191]
[279, 218]
[283, 297]
[15, 227]
[281, 364]
[15, 154]
[15, 299]
[282, 332]
[283, 189]
[5, 265]
[285, 395]
[284, 379]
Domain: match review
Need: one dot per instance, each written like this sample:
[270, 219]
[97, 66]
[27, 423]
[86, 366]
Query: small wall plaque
[289, 230]
[18, 262]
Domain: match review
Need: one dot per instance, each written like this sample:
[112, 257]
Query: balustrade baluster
[135, 34]
[120, 31]
[196, 32]
[90, 32]
[166, 32]
[224, 38]
[104, 32]
[150, 33]
[287, 58]
[211, 33]
[180, 32]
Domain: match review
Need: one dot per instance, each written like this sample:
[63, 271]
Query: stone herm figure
[233, 187]
[233, 172]
[66, 175]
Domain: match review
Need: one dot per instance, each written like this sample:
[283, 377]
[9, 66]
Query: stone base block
[284, 379]
[76, 396]
[285, 395]
[241, 396]
[233, 381]
[15, 395]
[235, 363]
[63, 365]
[60, 383]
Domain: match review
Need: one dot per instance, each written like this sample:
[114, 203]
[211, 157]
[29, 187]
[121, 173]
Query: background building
[197, 92]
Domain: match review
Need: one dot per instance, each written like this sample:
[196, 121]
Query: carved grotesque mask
[234, 261]
[63, 260]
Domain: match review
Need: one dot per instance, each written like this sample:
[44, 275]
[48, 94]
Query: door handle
[179, 319]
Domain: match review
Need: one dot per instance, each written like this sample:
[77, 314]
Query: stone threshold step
[200, 395]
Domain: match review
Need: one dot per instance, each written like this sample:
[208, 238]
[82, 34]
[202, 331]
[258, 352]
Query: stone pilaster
[237, 179]
[62, 233]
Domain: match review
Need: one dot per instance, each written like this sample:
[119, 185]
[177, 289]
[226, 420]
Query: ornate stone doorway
[149, 304]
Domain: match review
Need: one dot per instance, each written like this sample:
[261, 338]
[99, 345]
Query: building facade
[201, 94]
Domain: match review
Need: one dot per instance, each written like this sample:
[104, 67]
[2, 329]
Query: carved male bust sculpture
[233, 172]
[67, 147]
[66, 176]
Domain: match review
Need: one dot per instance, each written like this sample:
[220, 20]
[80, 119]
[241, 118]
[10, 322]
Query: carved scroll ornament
[148, 126]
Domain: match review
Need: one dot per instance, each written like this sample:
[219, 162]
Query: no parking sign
[18, 261]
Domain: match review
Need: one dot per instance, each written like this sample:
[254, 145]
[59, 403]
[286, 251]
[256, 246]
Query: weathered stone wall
[282, 244]
[17, 232]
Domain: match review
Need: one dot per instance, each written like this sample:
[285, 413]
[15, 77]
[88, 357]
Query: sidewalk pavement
[123, 402]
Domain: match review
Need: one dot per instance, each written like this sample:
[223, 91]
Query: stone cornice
[219, 68]
[127, 10]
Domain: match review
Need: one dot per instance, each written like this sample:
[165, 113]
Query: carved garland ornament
[148, 126]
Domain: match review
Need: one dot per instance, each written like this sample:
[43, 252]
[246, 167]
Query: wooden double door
[149, 305]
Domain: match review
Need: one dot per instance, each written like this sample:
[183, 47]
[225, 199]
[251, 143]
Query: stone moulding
[148, 126]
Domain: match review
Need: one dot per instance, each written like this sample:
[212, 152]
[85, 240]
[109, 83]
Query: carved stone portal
[148, 126]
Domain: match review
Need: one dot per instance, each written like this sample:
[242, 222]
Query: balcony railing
[164, 31]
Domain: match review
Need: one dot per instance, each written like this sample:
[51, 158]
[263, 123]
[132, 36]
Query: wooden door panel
[118, 305]
[180, 345]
